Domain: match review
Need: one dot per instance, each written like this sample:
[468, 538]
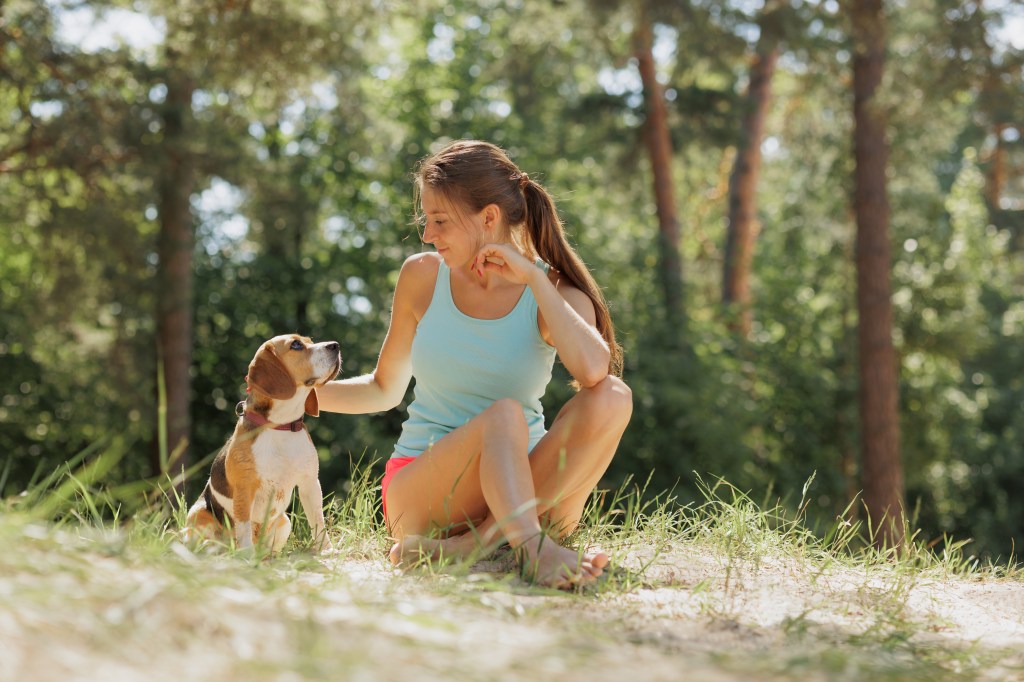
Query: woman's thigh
[441, 489]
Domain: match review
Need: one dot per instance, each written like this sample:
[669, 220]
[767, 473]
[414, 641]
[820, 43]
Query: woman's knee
[611, 399]
[506, 417]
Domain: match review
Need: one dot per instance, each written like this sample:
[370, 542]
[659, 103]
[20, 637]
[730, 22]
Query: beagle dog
[270, 452]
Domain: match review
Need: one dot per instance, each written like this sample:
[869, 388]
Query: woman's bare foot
[552, 565]
[413, 549]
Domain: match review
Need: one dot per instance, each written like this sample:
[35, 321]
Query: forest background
[181, 180]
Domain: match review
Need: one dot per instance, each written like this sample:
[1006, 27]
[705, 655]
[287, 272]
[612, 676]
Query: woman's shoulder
[416, 282]
[421, 268]
[428, 261]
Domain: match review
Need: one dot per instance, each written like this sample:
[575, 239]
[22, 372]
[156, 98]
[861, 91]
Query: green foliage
[307, 120]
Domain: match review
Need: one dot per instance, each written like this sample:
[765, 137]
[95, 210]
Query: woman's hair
[475, 174]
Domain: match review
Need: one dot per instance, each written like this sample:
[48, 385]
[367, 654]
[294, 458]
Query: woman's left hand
[505, 261]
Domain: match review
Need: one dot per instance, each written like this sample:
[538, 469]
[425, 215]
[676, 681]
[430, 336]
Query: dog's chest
[284, 458]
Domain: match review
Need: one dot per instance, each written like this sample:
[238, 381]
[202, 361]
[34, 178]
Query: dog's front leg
[312, 498]
[243, 482]
[242, 516]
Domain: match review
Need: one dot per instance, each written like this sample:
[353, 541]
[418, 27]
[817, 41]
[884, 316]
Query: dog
[270, 452]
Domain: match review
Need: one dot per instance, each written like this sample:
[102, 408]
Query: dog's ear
[312, 404]
[269, 376]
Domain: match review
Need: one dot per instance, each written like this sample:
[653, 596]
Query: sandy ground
[83, 614]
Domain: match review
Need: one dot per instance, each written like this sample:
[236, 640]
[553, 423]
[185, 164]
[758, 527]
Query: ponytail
[545, 231]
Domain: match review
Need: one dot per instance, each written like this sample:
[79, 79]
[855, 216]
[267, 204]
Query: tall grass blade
[37, 489]
[161, 412]
[7, 471]
[53, 504]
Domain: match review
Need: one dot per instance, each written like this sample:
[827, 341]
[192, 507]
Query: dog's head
[287, 363]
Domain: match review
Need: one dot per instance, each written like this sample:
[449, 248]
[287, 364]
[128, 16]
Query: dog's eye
[297, 345]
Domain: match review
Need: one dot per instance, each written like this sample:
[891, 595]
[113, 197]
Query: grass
[94, 582]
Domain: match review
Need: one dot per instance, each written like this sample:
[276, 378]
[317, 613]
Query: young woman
[478, 323]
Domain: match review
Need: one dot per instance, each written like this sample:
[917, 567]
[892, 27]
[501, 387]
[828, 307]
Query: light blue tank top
[463, 364]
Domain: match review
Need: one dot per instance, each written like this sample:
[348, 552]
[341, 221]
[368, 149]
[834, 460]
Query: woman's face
[455, 231]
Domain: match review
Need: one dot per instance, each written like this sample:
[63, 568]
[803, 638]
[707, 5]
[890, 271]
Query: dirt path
[81, 609]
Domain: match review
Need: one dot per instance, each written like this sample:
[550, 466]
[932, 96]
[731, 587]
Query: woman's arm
[386, 386]
[568, 322]
[567, 317]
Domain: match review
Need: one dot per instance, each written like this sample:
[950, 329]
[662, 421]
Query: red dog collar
[260, 420]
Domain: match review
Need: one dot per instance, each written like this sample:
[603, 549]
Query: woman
[478, 323]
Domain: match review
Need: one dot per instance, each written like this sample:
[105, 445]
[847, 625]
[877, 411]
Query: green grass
[93, 578]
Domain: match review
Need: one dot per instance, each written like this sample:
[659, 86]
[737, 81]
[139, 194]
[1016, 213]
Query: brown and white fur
[255, 472]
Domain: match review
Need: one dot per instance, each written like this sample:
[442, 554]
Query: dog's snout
[333, 346]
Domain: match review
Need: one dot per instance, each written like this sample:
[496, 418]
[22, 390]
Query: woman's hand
[567, 317]
[505, 261]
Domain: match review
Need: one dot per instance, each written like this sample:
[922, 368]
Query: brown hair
[475, 174]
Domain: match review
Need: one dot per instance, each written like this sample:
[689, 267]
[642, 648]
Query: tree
[742, 226]
[270, 53]
[174, 275]
[880, 432]
[659, 149]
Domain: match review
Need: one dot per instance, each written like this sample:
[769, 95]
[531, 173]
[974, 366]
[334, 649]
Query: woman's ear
[492, 216]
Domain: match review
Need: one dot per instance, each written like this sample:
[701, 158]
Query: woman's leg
[480, 468]
[479, 473]
[441, 489]
[566, 466]
[570, 460]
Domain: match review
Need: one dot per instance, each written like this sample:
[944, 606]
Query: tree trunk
[882, 469]
[743, 226]
[996, 179]
[659, 147]
[175, 245]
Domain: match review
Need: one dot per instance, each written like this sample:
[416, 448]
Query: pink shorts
[390, 469]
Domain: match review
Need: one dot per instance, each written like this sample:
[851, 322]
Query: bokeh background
[181, 180]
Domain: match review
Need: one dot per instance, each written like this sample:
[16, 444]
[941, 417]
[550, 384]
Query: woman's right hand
[506, 261]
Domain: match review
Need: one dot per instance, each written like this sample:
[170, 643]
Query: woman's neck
[488, 282]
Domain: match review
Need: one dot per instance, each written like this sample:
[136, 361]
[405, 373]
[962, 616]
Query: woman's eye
[297, 345]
